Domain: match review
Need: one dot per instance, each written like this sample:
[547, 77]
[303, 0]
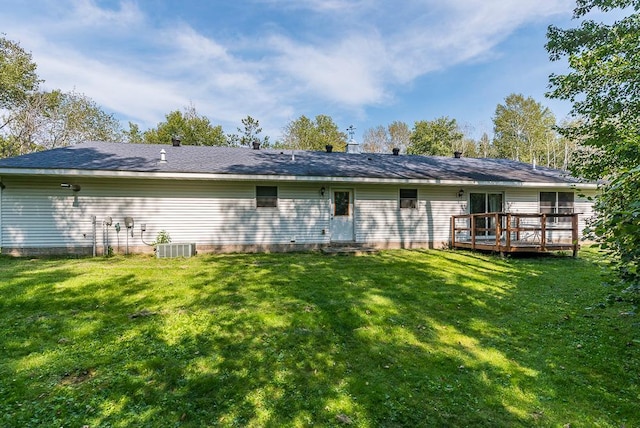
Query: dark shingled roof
[100, 156]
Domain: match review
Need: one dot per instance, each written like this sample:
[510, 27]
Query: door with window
[480, 203]
[342, 215]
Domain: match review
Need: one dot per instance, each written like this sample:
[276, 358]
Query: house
[96, 196]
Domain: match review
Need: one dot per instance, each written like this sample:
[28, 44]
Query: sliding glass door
[481, 203]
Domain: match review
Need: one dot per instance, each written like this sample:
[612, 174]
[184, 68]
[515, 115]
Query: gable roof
[202, 162]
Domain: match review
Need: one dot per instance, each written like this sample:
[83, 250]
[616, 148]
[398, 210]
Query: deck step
[349, 249]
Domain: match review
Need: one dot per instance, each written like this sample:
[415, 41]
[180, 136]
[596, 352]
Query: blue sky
[364, 63]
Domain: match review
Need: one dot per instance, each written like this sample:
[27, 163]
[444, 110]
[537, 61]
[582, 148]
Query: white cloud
[88, 13]
[347, 73]
[356, 59]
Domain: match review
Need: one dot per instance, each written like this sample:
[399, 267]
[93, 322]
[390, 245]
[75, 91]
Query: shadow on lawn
[396, 339]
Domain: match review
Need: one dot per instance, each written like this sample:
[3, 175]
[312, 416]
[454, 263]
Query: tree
[604, 86]
[384, 140]
[18, 78]
[376, 140]
[522, 129]
[133, 135]
[47, 120]
[439, 137]
[399, 133]
[34, 120]
[485, 148]
[191, 128]
[249, 134]
[306, 134]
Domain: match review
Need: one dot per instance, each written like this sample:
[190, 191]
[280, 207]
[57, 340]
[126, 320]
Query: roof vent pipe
[328, 148]
[396, 151]
[256, 145]
[163, 156]
[175, 141]
[457, 154]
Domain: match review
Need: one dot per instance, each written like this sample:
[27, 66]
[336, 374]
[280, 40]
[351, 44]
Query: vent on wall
[176, 250]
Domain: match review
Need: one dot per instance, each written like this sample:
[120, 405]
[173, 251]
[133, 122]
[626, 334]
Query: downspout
[95, 240]
[2, 186]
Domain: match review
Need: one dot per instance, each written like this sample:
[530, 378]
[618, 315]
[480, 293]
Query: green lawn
[400, 338]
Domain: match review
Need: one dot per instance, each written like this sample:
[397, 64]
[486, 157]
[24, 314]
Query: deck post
[508, 237]
[453, 232]
[496, 219]
[574, 234]
[543, 232]
[473, 232]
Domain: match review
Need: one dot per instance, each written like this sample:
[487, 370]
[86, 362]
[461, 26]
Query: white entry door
[342, 215]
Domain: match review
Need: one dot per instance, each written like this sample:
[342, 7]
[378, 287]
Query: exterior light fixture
[322, 190]
[74, 187]
[460, 193]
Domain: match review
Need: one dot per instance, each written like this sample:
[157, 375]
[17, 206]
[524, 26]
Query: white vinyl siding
[378, 219]
[38, 213]
[35, 212]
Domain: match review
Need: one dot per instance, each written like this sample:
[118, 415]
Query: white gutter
[281, 178]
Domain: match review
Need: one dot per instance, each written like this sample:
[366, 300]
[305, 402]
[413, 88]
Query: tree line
[34, 120]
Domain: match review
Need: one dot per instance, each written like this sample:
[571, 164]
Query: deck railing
[509, 232]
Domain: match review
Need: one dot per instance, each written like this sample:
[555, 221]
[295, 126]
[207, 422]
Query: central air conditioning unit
[175, 250]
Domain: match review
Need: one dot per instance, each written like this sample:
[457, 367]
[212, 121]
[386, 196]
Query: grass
[401, 338]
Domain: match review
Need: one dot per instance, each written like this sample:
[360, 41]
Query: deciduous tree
[18, 77]
[604, 86]
[306, 134]
[439, 137]
[384, 140]
[35, 120]
[47, 120]
[191, 128]
[523, 128]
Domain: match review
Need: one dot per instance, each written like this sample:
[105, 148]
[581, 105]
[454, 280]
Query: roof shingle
[101, 156]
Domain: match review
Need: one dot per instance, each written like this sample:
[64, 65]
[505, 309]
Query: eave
[283, 178]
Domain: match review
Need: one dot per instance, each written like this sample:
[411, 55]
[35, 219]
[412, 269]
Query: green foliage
[35, 120]
[401, 338]
[133, 134]
[524, 130]
[306, 134]
[439, 137]
[18, 76]
[249, 134]
[191, 128]
[604, 86]
[162, 237]
[47, 120]
[617, 225]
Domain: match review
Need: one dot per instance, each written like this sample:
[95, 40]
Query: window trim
[261, 199]
[407, 202]
[556, 208]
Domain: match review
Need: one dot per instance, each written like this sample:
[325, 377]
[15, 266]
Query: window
[266, 196]
[341, 203]
[408, 198]
[556, 203]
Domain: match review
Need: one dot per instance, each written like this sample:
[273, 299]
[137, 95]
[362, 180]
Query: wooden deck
[516, 233]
